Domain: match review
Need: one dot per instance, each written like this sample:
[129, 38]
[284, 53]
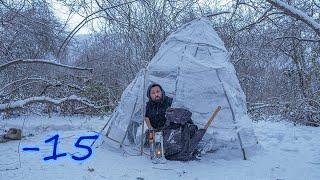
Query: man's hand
[148, 123]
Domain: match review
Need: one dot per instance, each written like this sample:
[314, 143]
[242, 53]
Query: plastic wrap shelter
[193, 68]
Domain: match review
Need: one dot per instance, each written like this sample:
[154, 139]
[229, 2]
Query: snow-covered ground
[288, 152]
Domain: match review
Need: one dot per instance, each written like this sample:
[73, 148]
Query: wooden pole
[212, 117]
[143, 110]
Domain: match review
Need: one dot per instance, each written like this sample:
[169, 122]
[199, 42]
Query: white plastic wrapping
[193, 67]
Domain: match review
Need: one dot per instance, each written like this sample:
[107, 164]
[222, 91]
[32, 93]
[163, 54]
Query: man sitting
[156, 107]
[178, 130]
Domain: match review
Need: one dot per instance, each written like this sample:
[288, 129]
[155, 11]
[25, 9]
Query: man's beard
[157, 99]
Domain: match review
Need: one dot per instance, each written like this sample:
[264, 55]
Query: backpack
[178, 135]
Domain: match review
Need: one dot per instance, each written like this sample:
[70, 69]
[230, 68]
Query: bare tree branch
[217, 13]
[18, 81]
[84, 21]
[299, 39]
[41, 61]
[297, 14]
[31, 80]
[264, 16]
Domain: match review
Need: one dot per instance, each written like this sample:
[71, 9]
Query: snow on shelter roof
[198, 31]
[197, 42]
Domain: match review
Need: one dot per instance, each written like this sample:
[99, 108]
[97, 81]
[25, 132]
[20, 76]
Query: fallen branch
[42, 61]
[257, 106]
[44, 99]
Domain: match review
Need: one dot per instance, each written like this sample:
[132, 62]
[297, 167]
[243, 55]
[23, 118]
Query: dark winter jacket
[156, 110]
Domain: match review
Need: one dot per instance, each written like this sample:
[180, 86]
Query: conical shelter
[193, 68]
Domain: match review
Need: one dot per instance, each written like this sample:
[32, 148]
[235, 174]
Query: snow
[288, 152]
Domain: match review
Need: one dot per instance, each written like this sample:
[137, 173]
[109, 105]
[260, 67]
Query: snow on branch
[41, 61]
[296, 13]
[44, 99]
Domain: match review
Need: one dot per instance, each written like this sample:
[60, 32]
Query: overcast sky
[62, 13]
